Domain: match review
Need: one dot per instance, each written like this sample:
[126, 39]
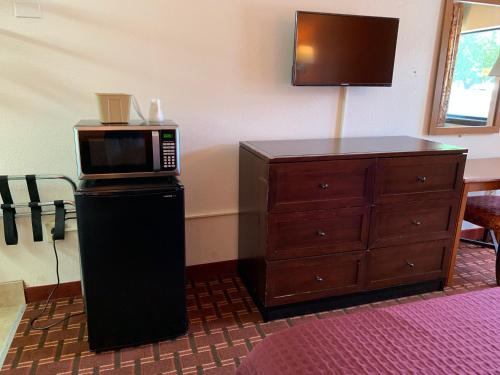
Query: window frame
[447, 33]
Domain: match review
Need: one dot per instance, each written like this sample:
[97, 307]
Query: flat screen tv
[343, 50]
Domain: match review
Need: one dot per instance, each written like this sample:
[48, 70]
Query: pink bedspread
[459, 334]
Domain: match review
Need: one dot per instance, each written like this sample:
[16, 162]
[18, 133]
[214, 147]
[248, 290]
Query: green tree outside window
[477, 53]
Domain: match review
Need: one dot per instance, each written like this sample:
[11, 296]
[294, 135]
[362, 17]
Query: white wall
[222, 69]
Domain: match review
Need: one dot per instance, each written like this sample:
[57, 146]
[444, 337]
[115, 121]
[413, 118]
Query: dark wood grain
[252, 222]
[405, 223]
[341, 148]
[391, 266]
[335, 206]
[311, 233]
[419, 178]
[314, 277]
[327, 184]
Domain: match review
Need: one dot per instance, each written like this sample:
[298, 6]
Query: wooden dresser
[327, 223]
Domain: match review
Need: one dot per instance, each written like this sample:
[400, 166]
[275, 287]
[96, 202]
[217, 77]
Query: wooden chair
[485, 211]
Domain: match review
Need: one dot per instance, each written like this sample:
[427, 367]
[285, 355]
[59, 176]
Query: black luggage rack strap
[10, 209]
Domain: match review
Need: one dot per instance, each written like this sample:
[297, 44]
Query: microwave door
[106, 154]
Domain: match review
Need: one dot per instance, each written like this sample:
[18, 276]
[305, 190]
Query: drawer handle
[416, 222]
[323, 186]
[319, 279]
[421, 178]
[321, 233]
[410, 264]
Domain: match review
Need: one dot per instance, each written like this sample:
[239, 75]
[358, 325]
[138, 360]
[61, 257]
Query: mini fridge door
[133, 266]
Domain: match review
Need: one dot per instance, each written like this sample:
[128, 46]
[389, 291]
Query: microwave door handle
[155, 141]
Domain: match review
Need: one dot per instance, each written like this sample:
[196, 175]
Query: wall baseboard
[40, 293]
[196, 273]
[206, 271]
[473, 233]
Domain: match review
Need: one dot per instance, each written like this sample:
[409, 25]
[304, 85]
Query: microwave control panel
[168, 146]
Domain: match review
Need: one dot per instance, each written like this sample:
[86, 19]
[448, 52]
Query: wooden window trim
[493, 125]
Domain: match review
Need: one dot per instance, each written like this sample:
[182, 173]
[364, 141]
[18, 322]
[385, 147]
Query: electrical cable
[33, 320]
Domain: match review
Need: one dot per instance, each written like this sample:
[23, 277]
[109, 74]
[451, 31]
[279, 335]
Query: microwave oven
[123, 151]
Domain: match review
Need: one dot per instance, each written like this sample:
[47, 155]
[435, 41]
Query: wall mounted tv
[343, 50]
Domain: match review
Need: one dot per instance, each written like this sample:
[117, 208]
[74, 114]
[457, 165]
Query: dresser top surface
[286, 150]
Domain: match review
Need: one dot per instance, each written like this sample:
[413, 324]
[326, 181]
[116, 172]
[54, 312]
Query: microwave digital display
[168, 135]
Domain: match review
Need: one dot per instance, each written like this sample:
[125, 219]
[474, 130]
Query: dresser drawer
[310, 278]
[419, 177]
[321, 184]
[311, 233]
[413, 222]
[406, 264]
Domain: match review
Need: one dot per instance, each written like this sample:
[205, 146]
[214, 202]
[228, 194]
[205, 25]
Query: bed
[458, 334]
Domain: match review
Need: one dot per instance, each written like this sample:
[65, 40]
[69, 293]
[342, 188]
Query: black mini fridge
[133, 260]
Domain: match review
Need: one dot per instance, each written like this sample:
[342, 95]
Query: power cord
[49, 298]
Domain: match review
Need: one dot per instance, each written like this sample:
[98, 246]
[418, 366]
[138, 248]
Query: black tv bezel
[340, 84]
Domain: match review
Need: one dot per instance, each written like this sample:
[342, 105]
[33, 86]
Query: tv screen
[343, 50]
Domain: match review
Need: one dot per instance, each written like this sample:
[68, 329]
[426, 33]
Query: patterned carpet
[224, 327]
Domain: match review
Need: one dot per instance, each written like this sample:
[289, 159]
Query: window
[472, 88]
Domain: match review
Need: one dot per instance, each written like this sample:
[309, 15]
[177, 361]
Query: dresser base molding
[343, 301]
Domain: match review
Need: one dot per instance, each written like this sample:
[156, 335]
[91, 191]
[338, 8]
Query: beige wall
[222, 69]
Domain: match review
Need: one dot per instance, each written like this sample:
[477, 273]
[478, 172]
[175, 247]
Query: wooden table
[479, 175]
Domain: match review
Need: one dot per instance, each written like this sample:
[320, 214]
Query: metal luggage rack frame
[41, 204]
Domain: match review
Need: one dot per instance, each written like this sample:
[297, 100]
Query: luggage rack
[9, 207]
